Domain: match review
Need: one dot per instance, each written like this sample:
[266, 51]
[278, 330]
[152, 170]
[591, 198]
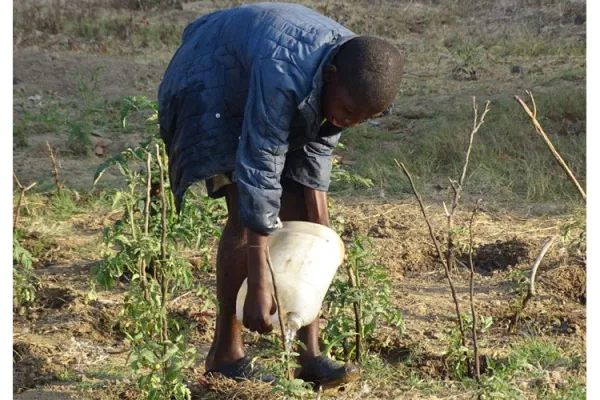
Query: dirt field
[74, 63]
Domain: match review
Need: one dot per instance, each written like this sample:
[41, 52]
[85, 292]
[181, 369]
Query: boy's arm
[272, 100]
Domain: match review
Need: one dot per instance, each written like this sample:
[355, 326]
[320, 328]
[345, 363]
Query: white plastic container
[305, 257]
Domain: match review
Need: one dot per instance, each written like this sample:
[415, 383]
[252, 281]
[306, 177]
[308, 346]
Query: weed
[63, 205]
[19, 138]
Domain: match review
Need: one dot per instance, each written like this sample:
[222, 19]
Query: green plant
[574, 235]
[89, 109]
[286, 384]
[368, 285]
[24, 280]
[458, 357]
[144, 247]
[137, 103]
[293, 388]
[79, 141]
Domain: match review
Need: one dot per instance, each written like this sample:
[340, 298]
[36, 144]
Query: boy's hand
[258, 308]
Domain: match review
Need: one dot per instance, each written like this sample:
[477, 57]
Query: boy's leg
[293, 208]
[227, 345]
[315, 368]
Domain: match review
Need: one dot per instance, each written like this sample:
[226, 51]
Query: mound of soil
[566, 281]
[30, 368]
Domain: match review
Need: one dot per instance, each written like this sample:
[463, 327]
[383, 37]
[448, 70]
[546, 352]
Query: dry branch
[458, 186]
[148, 194]
[472, 277]
[163, 256]
[146, 224]
[540, 130]
[531, 289]
[54, 166]
[437, 247]
[22, 191]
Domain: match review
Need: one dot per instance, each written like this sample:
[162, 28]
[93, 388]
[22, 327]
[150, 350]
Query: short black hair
[370, 69]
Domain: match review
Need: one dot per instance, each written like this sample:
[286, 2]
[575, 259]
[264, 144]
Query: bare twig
[148, 188]
[457, 186]
[382, 213]
[142, 271]
[163, 239]
[540, 131]
[56, 177]
[437, 247]
[163, 256]
[279, 311]
[186, 294]
[472, 276]
[22, 191]
[353, 279]
[421, 75]
[531, 289]
[318, 394]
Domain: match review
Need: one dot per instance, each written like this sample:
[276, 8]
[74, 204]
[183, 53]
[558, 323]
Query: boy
[253, 102]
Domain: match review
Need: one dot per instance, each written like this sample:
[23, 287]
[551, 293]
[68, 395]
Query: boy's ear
[330, 73]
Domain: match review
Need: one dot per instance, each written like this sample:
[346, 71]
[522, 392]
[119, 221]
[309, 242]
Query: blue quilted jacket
[242, 94]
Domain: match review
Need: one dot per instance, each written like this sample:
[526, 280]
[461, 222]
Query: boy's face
[337, 105]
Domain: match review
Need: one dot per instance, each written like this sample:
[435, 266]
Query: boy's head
[362, 81]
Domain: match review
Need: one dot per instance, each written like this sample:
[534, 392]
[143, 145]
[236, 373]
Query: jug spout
[294, 321]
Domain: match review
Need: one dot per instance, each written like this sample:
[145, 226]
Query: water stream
[290, 335]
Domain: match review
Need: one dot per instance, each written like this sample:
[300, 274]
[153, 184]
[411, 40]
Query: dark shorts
[215, 185]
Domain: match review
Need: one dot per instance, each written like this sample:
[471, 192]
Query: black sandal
[242, 370]
[323, 371]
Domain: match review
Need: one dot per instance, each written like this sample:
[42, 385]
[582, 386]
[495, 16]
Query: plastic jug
[305, 257]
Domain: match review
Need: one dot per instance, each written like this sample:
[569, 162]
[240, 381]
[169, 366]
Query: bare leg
[227, 344]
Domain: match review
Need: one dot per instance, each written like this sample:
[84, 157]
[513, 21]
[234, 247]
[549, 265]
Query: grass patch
[508, 157]
[535, 366]
[63, 206]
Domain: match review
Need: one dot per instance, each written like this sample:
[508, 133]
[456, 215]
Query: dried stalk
[163, 255]
[142, 272]
[531, 289]
[22, 191]
[279, 311]
[353, 279]
[457, 186]
[148, 189]
[437, 247]
[56, 177]
[540, 130]
[472, 277]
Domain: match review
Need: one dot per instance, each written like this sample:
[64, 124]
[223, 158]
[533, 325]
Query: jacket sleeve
[272, 101]
[311, 164]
